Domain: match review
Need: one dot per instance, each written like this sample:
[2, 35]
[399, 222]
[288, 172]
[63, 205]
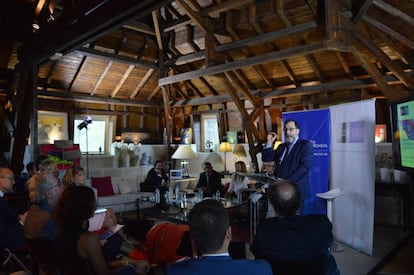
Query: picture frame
[51, 126]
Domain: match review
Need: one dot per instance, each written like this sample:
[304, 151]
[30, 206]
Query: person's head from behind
[208, 168]
[240, 166]
[31, 168]
[75, 206]
[74, 175]
[285, 198]
[210, 226]
[45, 188]
[49, 166]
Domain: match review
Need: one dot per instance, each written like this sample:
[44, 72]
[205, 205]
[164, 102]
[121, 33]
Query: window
[210, 133]
[93, 139]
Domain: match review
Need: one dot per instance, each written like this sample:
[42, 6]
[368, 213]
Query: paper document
[107, 234]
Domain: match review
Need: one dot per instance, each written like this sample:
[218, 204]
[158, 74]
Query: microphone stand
[87, 153]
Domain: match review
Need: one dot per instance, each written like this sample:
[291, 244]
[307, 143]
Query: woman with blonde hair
[74, 176]
[238, 182]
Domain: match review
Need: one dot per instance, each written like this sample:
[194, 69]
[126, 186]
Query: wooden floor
[353, 262]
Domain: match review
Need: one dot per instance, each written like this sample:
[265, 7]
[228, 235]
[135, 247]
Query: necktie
[208, 180]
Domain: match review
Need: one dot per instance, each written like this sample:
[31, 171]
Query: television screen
[402, 125]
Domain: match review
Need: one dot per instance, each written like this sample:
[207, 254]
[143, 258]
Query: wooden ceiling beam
[239, 64]
[141, 83]
[76, 97]
[393, 11]
[376, 76]
[115, 57]
[139, 27]
[214, 10]
[68, 35]
[362, 10]
[384, 28]
[391, 65]
[122, 80]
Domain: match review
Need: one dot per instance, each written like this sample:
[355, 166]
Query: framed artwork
[380, 133]
[51, 126]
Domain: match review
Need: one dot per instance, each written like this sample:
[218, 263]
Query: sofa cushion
[127, 185]
[124, 187]
[104, 185]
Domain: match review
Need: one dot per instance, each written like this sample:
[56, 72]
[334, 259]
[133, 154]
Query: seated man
[11, 225]
[209, 180]
[155, 178]
[211, 232]
[294, 244]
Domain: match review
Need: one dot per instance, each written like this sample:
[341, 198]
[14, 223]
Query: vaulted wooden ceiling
[291, 54]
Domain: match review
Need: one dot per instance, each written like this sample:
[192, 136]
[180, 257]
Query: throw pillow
[103, 185]
[124, 187]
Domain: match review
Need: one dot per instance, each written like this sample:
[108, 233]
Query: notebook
[96, 222]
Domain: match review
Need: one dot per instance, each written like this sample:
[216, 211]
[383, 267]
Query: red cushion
[104, 186]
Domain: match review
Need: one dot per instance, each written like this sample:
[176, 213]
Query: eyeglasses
[289, 129]
[8, 177]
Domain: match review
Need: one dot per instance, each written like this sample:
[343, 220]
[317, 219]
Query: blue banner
[315, 127]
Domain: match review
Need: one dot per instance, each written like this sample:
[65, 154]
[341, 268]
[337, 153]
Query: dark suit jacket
[218, 265]
[215, 182]
[295, 166]
[11, 231]
[153, 180]
[295, 239]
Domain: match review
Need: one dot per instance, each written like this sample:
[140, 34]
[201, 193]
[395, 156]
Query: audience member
[44, 192]
[155, 178]
[209, 180]
[78, 249]
[48, 166]
[74, 176]
[238, 183]
[11, 225]
[294, 244]
[31, 169]
[211, 232]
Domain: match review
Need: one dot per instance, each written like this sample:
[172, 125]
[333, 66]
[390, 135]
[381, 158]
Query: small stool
[329, 196]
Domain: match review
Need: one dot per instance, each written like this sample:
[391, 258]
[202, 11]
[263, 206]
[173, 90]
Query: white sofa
[125, 186]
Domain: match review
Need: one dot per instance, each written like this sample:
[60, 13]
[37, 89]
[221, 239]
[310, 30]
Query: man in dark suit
[211, 232]
[293, 159]
[294, 244]
[209, 180]
[11, 225]
[155, 178]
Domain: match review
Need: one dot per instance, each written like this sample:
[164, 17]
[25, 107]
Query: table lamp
[225, 147]
[184, 152]
[239, 151]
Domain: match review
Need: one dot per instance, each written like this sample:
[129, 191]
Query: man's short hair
[294, 121]
[285, 198]
[208, 222]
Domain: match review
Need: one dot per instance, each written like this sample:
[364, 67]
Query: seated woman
[74, 176]
[79, 250]
[238, 182]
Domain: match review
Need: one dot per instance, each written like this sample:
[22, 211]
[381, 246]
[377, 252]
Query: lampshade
[239, 150]
[184, 152]
[225, 147]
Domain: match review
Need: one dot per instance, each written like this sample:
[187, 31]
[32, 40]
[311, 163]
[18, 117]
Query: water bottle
[239, 198]
[218, 195]
[177, 194]
[200, 193]
[157, 196]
